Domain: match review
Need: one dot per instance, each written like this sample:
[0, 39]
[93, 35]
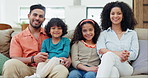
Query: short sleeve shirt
[24, 44]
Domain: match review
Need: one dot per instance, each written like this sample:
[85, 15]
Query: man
[25, 49]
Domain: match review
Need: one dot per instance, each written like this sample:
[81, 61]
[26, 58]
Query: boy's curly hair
[56, 22]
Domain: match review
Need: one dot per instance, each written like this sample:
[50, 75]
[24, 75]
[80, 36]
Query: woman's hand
[124, 56]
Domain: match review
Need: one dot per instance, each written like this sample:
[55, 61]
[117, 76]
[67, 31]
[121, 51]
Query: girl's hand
[103, 51]
[94, 69]
[66, 62]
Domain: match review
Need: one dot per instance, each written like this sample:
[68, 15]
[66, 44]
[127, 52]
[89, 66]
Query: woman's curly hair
[128, 20]
[56, 22]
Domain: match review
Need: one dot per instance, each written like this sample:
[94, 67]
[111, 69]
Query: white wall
[101, 3]
[2, 10]
[9, 9]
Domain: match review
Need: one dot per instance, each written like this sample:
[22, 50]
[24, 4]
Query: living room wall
[9, 9]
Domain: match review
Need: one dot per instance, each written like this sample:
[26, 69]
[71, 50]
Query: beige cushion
[70, 34]
[142, 33]
[5, 37]
[136, 76]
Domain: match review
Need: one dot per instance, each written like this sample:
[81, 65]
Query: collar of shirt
[110, 30]
[27, 32]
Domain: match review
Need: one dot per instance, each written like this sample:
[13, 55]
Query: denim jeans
[81, 74]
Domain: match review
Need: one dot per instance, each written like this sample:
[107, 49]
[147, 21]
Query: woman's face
[88, 31]
[116, 16]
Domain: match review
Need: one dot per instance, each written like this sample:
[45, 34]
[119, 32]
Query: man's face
[36, 18]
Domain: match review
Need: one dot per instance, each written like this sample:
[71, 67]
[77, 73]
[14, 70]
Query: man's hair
[37, 6]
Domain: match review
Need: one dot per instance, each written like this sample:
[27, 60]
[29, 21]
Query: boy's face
[36, 18]
[55, 31]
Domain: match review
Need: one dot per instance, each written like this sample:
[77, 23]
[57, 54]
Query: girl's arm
[74, 55]
[86, 68]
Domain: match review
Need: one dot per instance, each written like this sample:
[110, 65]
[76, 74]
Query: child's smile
[88, 31]
[56, 31]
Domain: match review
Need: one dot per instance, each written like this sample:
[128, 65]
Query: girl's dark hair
[56, 22]
[128, 20]
[78, 31]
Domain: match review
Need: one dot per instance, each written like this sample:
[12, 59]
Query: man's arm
[40, 57]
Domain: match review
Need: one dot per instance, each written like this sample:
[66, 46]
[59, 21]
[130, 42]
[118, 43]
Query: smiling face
[55, 31]
[116, 16]
[88, 31]
[36, 18]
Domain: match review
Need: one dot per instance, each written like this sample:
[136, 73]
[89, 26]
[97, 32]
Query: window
[51, 12]
[24, 14]
[94, 13]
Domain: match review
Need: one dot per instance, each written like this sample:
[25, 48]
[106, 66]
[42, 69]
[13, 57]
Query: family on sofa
[37, 53]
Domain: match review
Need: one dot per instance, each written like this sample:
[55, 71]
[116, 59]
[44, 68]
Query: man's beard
[36, 27]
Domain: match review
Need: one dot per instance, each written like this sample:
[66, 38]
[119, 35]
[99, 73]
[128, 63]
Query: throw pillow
[3, 59]
[140, 65]
[5, 37]
[69, 34]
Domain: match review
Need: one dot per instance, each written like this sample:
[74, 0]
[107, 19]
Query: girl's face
[88, 31]
[116, 16]
[55, 31]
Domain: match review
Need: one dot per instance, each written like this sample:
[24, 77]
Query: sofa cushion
[70, 34]
[136, 76]
[142, 33]
[2, 61]
[140, 65]
[5, 37]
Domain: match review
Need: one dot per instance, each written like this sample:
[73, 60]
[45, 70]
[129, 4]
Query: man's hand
[41, 57]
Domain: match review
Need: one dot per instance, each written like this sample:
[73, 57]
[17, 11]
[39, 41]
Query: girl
[83, 50]
[118, 43]
[57, 47]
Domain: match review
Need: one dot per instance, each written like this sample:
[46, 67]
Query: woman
[118, 43]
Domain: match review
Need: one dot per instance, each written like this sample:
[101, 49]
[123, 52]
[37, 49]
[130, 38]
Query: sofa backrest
[142, 33]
